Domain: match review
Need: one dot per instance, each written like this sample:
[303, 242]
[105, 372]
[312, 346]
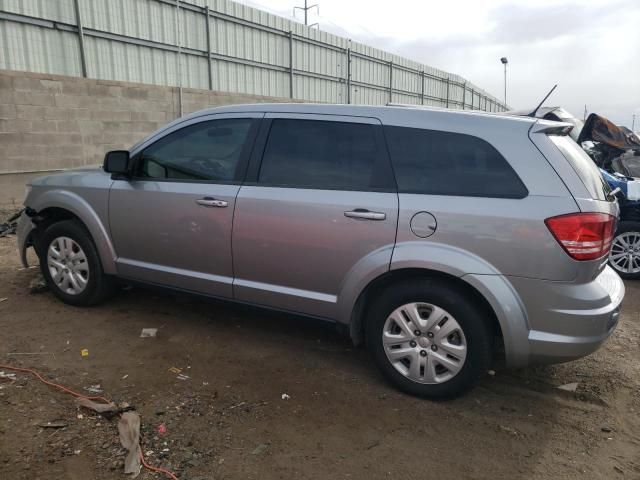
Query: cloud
[590, 48]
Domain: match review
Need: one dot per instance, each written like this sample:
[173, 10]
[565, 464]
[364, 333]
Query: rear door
[319, 197]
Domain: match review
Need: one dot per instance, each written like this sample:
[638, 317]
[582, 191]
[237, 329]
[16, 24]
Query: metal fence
[218, 45]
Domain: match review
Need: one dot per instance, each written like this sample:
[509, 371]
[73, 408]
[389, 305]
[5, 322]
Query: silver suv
[438, 238]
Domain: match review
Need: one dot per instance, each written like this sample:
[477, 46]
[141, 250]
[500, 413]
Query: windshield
[588, 172]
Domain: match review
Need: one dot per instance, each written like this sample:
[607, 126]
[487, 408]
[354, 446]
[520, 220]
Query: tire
[60, 246]
[629, 232]
[439, 376]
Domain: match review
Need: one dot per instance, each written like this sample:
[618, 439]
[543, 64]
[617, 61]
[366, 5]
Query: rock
[606, 429]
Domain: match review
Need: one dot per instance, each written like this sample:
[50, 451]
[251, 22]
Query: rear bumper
[567, 321]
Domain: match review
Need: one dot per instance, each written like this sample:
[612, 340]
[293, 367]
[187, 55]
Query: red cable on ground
[79, 395]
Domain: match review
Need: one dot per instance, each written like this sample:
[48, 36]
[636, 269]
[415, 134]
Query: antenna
[533, 114]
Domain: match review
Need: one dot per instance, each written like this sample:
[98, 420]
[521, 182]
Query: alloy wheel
[625, 252]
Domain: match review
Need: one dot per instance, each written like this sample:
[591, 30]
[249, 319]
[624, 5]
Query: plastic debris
[129, 430]
[569, 387]
[175, 370]
[182, 376]
[8, 376]
[161, 429]
[94, 389]
[148, 332]
[84, 352]
[3, 299]
[285, 396]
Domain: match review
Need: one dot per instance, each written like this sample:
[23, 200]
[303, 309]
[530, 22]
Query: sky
[590, 48]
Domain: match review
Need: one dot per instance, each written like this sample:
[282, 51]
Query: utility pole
[633, 123]
[505, 62]
[306, 9]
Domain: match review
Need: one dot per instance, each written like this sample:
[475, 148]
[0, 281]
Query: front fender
[77, 205]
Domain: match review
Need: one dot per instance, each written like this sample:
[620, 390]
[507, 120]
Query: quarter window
[321, 154]
[444, 163]
[206, 151]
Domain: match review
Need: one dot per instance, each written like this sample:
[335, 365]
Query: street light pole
[504, 62]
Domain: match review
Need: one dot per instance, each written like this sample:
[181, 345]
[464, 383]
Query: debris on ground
[569, 387]
[84, 352]
[8, 376]
[54, 424]
[98, 407]
[3, 299]
[260, 448]
[129, 430]
[148, 332]
[94, 389]
[161, 429]
[11, 224]
[607, 429]
[38, 285]
[182, 376]
[285, 396]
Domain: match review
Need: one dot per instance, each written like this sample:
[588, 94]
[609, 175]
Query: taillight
[584, 236]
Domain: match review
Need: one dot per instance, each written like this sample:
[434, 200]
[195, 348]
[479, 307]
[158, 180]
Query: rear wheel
[429, 339]
[71, 266]
[625, 250]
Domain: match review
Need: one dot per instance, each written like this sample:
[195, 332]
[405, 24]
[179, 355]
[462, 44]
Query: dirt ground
[229, 420]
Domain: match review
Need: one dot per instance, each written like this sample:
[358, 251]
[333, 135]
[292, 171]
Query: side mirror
[116, 162]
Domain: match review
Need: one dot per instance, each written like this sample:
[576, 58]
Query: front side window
[206, 151]
[445, 163]
[320, 154]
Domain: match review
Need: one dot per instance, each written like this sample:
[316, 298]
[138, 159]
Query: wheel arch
[55, 206]
[380, 283]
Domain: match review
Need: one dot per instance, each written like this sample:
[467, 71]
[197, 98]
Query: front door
[171, 223]
[319, 198]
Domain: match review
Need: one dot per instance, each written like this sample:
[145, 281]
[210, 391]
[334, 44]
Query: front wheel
[625, 250]
[71, 266]
[429, 339]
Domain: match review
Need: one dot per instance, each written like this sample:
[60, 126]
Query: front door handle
[212, 202]
[365, 214]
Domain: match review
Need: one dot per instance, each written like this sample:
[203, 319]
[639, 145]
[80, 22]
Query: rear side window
[320, 154]
[444, 163]
[583, 166]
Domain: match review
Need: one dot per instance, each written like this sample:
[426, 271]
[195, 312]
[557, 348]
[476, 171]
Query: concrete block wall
[51, 122]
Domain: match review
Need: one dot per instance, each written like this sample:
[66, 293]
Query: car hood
[72, 176]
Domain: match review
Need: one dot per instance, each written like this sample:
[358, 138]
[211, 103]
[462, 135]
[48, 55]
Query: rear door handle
[212, 202]
[365, 214]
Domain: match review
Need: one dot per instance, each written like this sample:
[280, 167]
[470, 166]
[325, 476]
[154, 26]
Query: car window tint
[206, 151]
[445, 163]
[319, 154]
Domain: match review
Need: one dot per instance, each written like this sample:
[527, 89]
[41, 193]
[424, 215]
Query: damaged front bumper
[25, 236]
